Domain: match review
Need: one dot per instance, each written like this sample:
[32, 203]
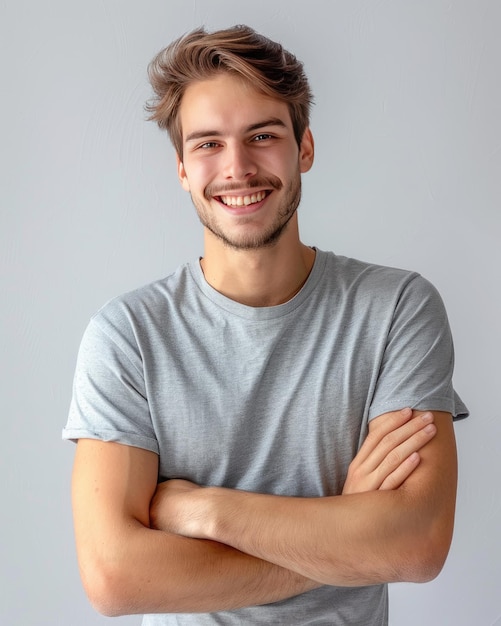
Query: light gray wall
[408, 171]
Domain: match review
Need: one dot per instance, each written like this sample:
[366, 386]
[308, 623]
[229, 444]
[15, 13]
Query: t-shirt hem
[429, 404]
[128, 439]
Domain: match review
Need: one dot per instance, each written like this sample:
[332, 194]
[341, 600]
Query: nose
[239, 163]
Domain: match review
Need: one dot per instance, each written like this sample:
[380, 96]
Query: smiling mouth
[239, 201]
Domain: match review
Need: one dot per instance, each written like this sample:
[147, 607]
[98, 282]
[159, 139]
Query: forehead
[227, 103]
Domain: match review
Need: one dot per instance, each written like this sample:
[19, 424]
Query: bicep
[435, 479]
[425, 504]
[430, 490]
[112, 487]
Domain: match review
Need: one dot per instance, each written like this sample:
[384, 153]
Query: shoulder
[372, 280]
[148, 303]
[378, 294]
[133, 320]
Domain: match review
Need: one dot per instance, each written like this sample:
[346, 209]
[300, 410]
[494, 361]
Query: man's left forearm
[360, 539]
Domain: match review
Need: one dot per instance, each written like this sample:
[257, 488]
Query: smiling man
[264, 436]
[242, 166]
[249, 166]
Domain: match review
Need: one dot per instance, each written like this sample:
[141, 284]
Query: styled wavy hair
[200, 55]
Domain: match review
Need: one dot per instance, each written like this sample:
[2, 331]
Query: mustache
[264, 182]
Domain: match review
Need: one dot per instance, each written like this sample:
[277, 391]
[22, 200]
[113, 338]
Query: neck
[264, 277]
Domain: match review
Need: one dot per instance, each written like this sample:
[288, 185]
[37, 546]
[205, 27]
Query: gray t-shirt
[274, 399]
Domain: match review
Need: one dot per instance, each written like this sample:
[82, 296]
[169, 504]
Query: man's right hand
[390, 453]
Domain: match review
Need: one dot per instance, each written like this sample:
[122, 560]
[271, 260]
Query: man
[245, 451]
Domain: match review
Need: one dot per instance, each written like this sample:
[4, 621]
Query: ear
[306, 151]
[181, 172]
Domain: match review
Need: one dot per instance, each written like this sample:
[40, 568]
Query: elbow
[424, 568]
[427, 557]
[107, 590]
[433, 560]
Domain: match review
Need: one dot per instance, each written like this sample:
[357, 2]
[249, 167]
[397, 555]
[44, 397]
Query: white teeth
[243, 200]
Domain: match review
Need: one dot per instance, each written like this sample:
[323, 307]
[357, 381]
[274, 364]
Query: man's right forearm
[150, 571]
[128, 567]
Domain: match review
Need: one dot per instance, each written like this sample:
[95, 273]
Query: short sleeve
[418, 360]
[109, 400]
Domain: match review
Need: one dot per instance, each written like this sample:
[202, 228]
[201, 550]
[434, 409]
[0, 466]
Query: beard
[252, 241]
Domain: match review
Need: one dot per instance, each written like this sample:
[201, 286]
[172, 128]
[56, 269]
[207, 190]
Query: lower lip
[244, 209]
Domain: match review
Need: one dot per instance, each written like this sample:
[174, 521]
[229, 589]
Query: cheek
[285, 162]
[199, 174]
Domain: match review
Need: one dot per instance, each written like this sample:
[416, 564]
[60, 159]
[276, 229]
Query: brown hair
[200, 55]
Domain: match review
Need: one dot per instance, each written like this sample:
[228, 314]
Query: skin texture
[175, 547]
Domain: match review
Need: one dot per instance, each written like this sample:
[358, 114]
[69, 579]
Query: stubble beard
[268, 237]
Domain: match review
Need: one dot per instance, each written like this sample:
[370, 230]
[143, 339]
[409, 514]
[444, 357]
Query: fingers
[390, 452]
[400, 462]
[388, 445]
[403, 471]
[381, 427]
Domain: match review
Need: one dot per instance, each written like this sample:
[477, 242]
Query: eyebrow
[201, 134]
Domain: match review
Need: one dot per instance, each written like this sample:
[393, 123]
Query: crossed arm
[207, 549]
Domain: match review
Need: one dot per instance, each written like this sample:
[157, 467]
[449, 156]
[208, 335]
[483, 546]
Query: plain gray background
[408, 170]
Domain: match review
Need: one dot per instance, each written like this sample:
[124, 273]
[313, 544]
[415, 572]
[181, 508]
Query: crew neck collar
[260, 313]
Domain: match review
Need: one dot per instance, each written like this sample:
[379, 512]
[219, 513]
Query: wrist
[210, 512]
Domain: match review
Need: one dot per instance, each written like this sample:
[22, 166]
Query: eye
[262, 137]
[208, 145]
